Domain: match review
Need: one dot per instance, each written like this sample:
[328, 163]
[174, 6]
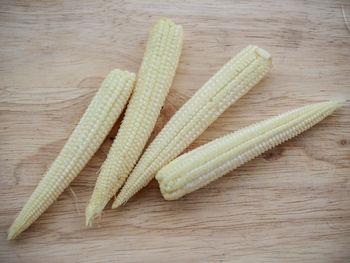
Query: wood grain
[290, 205]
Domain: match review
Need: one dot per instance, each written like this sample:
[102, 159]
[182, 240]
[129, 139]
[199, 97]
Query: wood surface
[292, 204]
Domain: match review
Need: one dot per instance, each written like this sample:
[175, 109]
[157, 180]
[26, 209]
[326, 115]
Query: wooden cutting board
[292, 204]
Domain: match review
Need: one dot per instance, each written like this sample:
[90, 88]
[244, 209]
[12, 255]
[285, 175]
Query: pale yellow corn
[153, 82]
[86, 138]
[205, 164]
[231, 82]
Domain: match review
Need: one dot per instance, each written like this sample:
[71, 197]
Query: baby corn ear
[205, 164]
[153, 82]
[231, 82]
[86, 138]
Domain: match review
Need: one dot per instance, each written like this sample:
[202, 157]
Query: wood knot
[343, 142]
[273, 154]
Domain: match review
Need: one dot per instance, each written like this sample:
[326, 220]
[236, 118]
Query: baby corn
[86, 138]
[231, 82]
[153, 82]
[205, 164]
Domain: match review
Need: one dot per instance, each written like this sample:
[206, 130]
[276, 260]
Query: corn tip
[11, 234]
[91, 213]
[333, 103]
[117, 202]
[263, 53]
[339, 102]
[164, 19]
